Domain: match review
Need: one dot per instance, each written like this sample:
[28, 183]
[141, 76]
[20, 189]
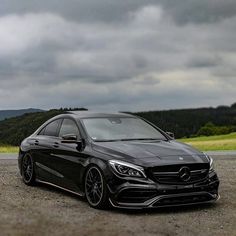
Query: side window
[68, 127]
[42, 131]
[51, 128]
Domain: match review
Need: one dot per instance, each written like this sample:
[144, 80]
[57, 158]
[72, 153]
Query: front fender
[101, 164]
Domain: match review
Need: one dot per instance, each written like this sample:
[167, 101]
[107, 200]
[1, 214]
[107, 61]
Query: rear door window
[51, 129]
[69, 127]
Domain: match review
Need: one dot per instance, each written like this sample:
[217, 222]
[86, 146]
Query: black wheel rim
[27, 168]
[94, 186]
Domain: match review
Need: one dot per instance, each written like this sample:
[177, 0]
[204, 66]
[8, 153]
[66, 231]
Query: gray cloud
[78, 10]
[110, 11]
[206, 11]
[112, 55]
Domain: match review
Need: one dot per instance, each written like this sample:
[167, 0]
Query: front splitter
[152, 203]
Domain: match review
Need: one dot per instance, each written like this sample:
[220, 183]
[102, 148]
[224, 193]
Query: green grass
[8, 149]
[213, 143]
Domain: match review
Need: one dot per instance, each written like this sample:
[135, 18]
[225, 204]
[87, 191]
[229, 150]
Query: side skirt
[59, 187]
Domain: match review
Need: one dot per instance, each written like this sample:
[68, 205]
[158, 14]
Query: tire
[96, 191]
[28, 174]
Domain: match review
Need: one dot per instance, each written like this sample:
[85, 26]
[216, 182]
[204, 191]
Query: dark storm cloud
[203, 11]
[184, 11]
[117, 55]
[207, 61]
[77, 10]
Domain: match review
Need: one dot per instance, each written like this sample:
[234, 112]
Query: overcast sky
[130, 55]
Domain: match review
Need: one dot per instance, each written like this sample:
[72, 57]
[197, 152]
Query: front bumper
[134, 195]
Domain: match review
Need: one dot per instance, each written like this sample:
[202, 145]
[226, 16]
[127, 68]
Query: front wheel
[28, 174]
[95, 188]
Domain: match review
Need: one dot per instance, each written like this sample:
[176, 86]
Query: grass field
[8, 149]
[213, 143]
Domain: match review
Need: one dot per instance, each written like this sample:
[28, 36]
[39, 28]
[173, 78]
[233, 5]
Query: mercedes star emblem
[184, 173]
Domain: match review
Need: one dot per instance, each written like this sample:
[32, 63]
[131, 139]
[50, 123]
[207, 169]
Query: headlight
[211, 162]
[126, 169]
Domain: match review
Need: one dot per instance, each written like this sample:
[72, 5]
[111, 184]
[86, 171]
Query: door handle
[36, 142]
[56, 145]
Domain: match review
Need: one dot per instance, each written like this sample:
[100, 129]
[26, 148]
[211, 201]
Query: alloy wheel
[27, 169]
[94, 186]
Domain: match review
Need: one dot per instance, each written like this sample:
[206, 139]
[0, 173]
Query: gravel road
[44, 210]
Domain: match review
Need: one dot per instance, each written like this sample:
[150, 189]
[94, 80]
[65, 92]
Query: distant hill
[183, 122]
[14, 130]
[13, 113]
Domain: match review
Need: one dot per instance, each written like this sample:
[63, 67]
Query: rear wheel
[95, 188]
[28, 174]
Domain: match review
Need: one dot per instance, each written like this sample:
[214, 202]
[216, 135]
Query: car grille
[176, 174]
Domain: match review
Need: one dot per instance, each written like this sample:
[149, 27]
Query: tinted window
[102, 129]
[42, 131]
[51, 128]
[68, 127]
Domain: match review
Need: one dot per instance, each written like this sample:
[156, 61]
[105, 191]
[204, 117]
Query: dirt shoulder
[44, 210]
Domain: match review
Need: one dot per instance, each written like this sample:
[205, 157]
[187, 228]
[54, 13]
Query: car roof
[89, 114]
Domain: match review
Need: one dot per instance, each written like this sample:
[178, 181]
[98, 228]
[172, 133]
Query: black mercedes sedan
[117, 159]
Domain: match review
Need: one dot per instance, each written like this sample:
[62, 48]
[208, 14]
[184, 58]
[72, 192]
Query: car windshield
[120, 129]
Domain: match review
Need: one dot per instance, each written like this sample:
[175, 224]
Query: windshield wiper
[129, 139]
[141, 139]
[107, 140]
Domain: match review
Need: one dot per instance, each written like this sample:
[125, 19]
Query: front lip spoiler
[150, 203]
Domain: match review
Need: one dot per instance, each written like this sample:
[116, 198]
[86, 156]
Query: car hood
[153, 153]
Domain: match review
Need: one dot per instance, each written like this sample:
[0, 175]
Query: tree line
[182, 122]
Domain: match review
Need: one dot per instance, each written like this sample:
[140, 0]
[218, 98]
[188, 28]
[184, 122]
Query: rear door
[44, 143]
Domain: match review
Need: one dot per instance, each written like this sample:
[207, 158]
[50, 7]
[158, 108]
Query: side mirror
[171, 135]
[72, 138]
[69, 138]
